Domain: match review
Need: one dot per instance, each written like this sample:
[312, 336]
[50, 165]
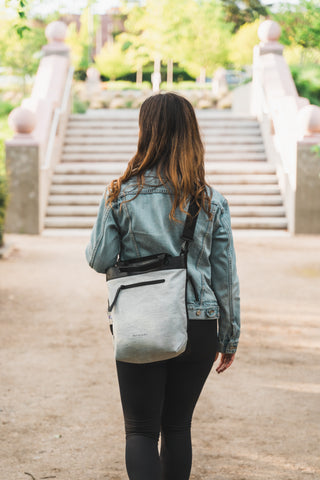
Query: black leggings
[161, 396]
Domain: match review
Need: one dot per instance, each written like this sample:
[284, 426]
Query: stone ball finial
[269, 31]
[93, 74]
[56, 32]
[309, 120]
[22, 120]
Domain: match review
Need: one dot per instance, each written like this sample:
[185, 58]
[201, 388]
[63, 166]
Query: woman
[143, 214]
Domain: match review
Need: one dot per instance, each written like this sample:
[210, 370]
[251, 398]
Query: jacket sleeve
[104, 246]
[225, 282]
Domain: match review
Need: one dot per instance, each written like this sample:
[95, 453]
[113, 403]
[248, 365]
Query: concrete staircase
[99, 144]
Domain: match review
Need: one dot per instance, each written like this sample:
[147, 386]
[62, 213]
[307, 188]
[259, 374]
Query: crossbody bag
[147, 302]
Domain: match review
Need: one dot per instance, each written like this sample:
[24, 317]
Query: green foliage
[179, 74]
[21, 55]
[5, 107]
[81, 41]
[3, 204]
[307, 80]
[242, 43]
[207, 43]
[22, 9]
[5, 133]
[112, 61]
[300, 23]
[297, 55]
[78, 106]
[191, 33]
[240, 12]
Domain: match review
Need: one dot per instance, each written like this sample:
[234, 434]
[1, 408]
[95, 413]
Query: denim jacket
[142, 227]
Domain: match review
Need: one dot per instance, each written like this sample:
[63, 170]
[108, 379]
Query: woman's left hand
[225, 361]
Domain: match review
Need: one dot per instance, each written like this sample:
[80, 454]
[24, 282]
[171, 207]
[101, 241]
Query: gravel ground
[59, 406]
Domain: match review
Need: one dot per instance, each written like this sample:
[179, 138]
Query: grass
[5, 134]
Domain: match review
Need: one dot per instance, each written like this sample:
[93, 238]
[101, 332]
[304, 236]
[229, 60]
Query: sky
[44, 7]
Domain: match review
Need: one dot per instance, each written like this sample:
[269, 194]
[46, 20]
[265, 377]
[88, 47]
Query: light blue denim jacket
[142, 227]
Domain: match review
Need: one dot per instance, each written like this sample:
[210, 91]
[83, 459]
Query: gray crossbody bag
[147, 302]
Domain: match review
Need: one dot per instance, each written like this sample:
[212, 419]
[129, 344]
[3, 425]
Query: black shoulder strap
[189, 225]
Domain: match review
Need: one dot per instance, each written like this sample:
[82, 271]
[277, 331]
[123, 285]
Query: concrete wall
[307, 202]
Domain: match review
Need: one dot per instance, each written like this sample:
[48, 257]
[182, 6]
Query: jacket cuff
[230, 347]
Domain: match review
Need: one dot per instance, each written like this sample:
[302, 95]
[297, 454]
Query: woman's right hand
[225, 361]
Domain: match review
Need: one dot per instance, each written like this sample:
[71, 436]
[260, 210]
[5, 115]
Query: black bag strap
[189, 225]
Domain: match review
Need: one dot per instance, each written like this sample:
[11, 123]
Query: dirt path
[59, 406]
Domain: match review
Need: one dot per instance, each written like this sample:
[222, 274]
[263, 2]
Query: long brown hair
[169, 142]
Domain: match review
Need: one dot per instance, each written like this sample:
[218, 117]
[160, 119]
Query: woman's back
[143, 213]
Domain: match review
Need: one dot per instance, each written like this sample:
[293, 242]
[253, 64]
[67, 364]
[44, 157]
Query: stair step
[72, 211]
[75, 199]
[214, 168]
[91, 211]
[69, 222]
[67, 232]
[224, 189]
[109, 148]
[99, 144]
[257, 223]
[126, 113]
[251, 200]
[133, 131]
[203, 123]
[131, 148]
[132, 140]
[236, 222]
[104, 179]
[236, 200]
[219, 179]
[257, 211]
[124, 157]
[77, 190]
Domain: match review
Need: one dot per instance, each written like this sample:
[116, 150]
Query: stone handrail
[39, 127]
[290, 125]
[58, 113]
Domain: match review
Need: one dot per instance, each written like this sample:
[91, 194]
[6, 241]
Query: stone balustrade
[39, 125]
[290, 127]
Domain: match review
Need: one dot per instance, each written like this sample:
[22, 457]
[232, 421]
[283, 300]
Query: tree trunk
[170, 73]
[139, 75]
[202, 78]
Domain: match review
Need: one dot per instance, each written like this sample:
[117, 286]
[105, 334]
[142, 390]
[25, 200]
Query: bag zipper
[132, 285]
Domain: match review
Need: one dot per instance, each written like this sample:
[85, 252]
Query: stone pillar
[56, 34]
[156, 76]
[23, 170]
[32, 153]
[307, 201]
[269, 33]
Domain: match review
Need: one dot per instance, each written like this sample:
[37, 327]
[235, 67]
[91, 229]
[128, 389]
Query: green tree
[239, 12]
[242, 44]
[112, 61]
[81, 41]
[21, 55]
[205, 46]
[189, 32]
[300, 24]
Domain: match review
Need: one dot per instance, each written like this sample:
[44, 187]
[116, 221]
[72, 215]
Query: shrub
[79, 106]
[307, 80]
[3, 204]
[5, 107]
